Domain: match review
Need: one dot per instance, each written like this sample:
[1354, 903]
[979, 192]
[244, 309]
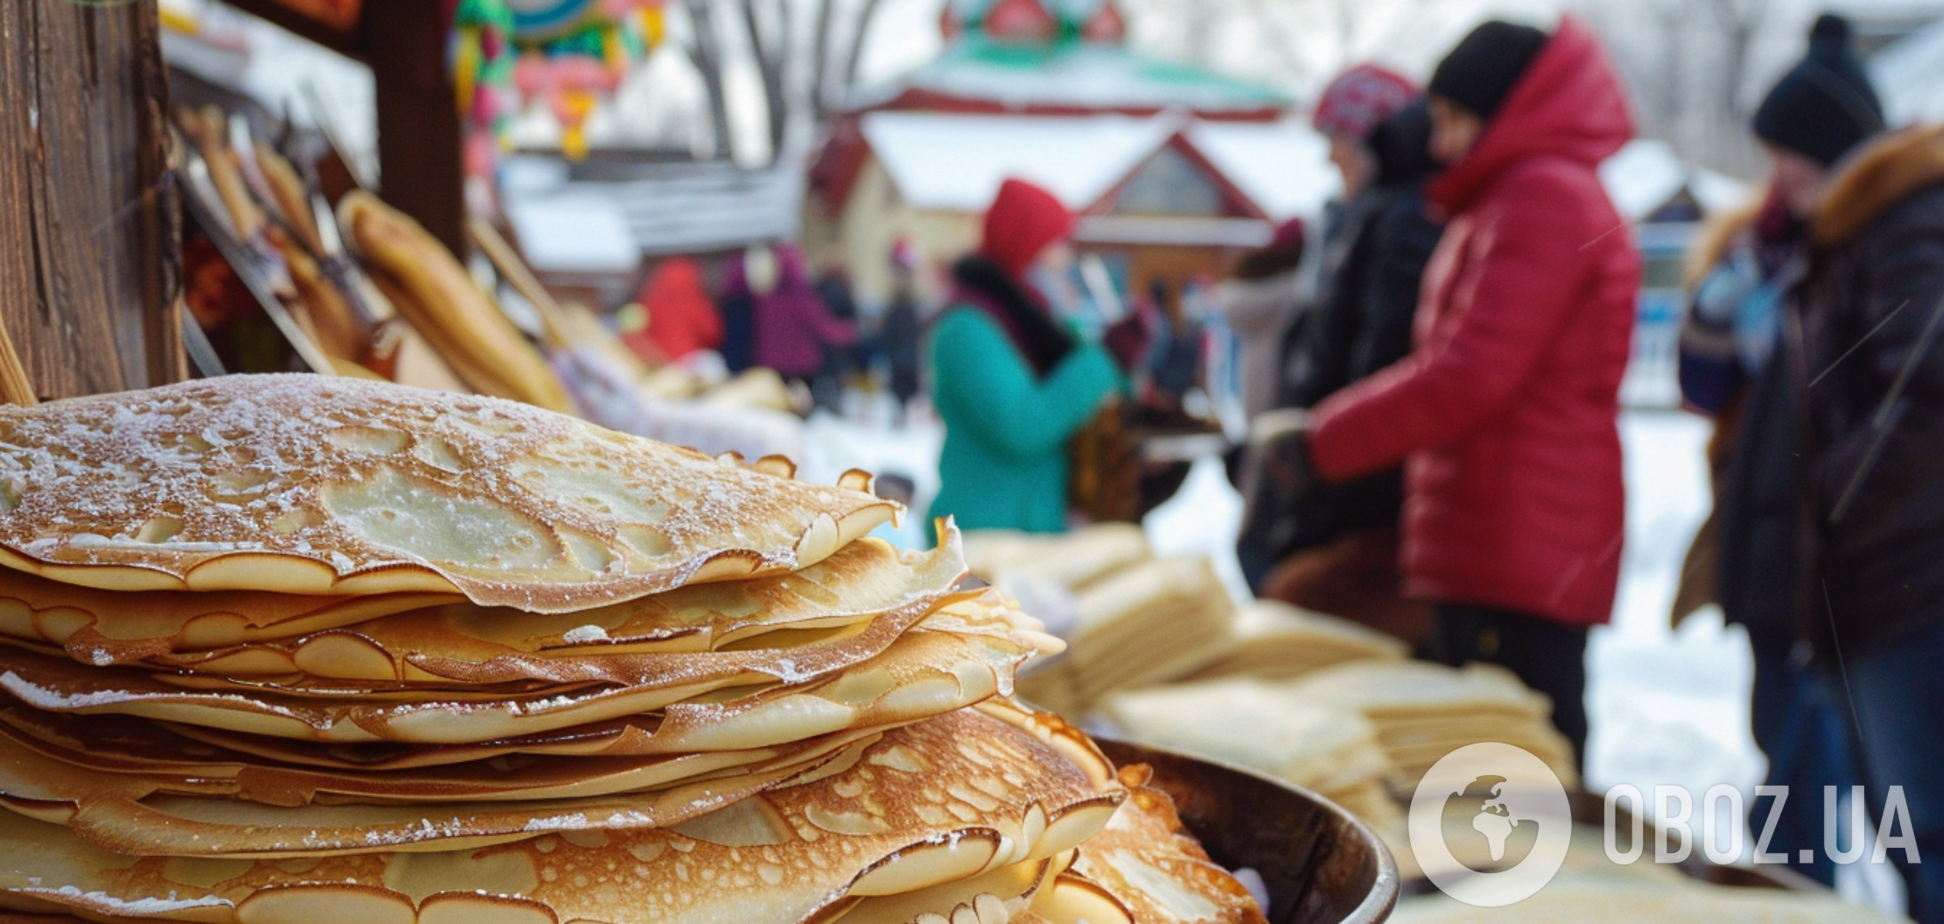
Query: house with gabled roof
[1173, 169]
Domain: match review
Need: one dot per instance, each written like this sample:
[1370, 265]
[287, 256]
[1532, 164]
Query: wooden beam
[420, 147]
[420, 152]
[90, 257]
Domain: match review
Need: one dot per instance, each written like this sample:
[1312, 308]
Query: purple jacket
[792, 326]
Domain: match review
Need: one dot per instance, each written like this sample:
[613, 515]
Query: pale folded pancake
[1147, 624]
[943, 801]
[253, 633]
[1276, 641]
[1073, 560]
[1423, 690]
[1424, 711]
[326, 485]
[1257, 725]
[964, 653]
[1144, 868]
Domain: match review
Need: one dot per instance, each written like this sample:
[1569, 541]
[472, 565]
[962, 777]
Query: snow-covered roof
[955, 162]
[1078, 74]
[1909, 74]
[607, 225]
[1646, 173]
[1283, 167]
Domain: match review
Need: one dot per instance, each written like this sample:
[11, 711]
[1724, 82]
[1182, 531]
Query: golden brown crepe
[1144, 868]
[966, 652]
[939, 802]
[248, 632]
[324, 485]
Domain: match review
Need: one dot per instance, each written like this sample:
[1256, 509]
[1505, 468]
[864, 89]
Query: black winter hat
[1823, 106]
[1402, 145]
[1480, 73]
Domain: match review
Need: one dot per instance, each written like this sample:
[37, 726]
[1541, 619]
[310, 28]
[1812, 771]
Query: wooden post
[420, 155]
[90, 261]
[420, 151]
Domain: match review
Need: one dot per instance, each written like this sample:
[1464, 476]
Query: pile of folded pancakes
[285, 648]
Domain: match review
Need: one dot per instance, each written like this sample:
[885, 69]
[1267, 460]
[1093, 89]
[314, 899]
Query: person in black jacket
[1334, 548]
[900, 332]
[1740, 274]
[1869, 378]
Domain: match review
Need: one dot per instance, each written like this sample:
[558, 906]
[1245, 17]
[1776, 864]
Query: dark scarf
[1020, 312]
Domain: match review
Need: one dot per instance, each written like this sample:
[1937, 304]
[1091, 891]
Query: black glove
[1279, 440]
[1276, 473]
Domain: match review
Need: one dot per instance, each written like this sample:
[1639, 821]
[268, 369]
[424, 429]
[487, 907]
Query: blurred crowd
[1424, 392]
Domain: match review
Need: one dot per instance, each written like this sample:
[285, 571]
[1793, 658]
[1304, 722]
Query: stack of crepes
[1074, 560]
[1423, 711]
[299, 649]
[1276, 641]
[1147, 623]
[1327, 749]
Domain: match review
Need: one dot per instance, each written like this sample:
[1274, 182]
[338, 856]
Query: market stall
[394, 633]
[349, 572]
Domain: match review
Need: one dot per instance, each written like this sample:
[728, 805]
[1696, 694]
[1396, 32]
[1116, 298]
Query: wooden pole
[90, 257]
[420, 155]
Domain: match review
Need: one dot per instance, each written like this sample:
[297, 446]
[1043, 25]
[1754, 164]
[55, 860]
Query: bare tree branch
[821, 36]
[704, 51]
[858, 33]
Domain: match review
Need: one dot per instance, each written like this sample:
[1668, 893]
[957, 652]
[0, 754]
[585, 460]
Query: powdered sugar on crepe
[306, 481]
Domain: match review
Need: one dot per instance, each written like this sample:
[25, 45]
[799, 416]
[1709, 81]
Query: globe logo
[1490, 824]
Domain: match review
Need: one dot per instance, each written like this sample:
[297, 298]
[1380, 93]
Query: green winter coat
[1004, 465]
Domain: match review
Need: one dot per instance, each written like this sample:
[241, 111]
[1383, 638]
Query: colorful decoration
[574, 53]
[482, 62]
[482, 59]
[566, 55]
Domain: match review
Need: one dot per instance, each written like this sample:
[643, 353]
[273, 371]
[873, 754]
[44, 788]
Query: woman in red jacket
[1505, 414]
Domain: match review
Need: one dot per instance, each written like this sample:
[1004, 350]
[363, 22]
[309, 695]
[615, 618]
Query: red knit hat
[1023, 221]
[1360, 98]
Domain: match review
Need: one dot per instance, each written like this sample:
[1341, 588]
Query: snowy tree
[1697, 69]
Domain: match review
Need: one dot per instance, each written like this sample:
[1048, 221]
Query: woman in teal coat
[1012, 384]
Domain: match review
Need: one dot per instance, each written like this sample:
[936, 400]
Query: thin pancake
[1143, 867]
[965, 653]
[777, 630]
[244, 632]
[991, 898]
[883, 825]
[133, 814]
[325, 485]
[152, 814]
[111, 627]
[65, 759]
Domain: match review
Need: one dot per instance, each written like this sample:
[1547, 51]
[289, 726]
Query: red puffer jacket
[1506, 412]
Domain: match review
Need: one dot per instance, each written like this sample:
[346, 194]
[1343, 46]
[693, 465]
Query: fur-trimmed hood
[1882, 174]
